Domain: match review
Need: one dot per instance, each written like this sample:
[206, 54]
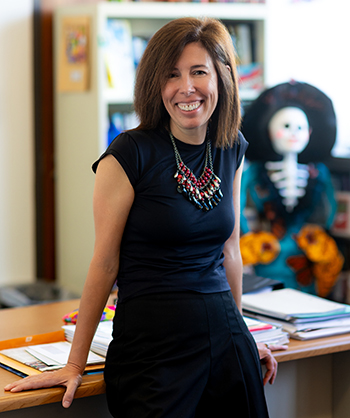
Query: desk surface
[39, 319]
[31, 320]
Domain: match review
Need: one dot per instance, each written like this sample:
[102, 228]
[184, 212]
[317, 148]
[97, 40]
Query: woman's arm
[233, 260]
[234, 272]
[113, 197]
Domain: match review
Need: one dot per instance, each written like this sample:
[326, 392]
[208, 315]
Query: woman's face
[289, 130]
[191, 93]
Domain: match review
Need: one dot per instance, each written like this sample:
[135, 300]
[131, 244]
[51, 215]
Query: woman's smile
[191, 94]
[187, 107]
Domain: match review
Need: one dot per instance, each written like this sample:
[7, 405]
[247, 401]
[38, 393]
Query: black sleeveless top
[168, 244]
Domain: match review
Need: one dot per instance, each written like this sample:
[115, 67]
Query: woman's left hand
[268, 360]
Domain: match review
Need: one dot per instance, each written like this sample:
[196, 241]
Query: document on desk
[101, 340]
[46, 357]
[311, 330]
[264, 332]
[294, 306]
[56, 354]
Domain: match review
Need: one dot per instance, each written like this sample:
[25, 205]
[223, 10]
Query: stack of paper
[302, 315]
[101, 340]
[266, 333]
[45, 357]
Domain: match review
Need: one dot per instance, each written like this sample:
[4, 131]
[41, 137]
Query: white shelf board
[163, 10]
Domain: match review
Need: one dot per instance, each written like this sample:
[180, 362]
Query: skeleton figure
[289, 133]
[286, 184]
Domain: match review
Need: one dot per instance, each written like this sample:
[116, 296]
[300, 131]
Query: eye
[199, 72]
[287, 125]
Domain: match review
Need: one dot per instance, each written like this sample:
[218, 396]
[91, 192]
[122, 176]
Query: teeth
[189, 107]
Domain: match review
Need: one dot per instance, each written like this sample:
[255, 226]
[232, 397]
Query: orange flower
[316, 244]
[259, 247]
[326, 274]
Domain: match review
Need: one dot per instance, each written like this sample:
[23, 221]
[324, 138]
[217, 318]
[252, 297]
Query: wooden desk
[313, 379]
[39, 319]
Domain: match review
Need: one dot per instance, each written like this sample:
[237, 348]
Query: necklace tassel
[204, 193]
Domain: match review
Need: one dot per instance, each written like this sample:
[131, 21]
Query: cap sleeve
[242, 145]
[124, 149]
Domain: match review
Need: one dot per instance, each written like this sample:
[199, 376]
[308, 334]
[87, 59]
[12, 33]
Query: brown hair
[159, 59]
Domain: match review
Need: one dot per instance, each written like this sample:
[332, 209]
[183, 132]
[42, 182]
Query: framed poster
[74, 45]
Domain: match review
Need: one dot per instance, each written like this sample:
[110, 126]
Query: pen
[94, 372]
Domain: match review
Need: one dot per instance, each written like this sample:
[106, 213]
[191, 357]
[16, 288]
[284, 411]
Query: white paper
[287, 303]
[58, 353]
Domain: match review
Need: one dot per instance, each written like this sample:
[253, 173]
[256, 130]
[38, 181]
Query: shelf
[162, 10]
[82, 118]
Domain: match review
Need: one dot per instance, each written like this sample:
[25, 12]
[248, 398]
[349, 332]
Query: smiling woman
[176, 261]
[190, 95]
[159, 63]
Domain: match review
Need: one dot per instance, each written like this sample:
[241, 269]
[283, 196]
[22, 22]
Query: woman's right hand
[69, 377]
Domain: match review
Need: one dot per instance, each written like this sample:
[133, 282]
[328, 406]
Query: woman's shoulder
[144, 134]
[239, 146]
[241, 141]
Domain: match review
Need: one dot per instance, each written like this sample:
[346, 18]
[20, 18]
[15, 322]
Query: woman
[164, 204]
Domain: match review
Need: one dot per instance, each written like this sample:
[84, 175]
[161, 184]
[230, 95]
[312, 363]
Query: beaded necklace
[204, 193]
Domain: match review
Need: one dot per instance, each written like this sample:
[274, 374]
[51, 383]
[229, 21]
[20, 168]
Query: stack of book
[101, 340]
[32, 355]
[264, 332]
[302, 315]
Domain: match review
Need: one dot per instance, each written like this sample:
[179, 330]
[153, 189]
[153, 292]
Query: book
[16, 355]
[101, 340]
[251, 76]
[244, 43]
[253, 283]
[341, 223]
[117, 50]
[264, 332]
[294, 306]
[256, 325]
[16, 367]
[311, 330]
[45, 357]
[119, 122]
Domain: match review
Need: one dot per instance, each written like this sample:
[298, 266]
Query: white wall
[17, 244]
[309, 41]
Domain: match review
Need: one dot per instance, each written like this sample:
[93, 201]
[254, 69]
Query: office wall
[308, 41]
[17, 244]
[305, 40]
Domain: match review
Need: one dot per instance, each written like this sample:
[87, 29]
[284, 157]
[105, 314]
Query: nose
[186, 86]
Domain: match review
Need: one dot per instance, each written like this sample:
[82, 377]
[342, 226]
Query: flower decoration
[259, 247]
[107, 315]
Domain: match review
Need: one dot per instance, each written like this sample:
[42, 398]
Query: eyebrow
[193, 67]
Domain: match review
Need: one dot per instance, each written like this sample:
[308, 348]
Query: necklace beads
[204, 193]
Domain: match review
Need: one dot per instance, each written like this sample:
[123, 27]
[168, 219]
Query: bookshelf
[82, 117]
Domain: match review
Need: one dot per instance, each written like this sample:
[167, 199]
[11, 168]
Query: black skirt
[183, 355]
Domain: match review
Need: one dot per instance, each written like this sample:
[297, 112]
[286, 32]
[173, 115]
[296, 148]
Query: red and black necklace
[204, 193]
